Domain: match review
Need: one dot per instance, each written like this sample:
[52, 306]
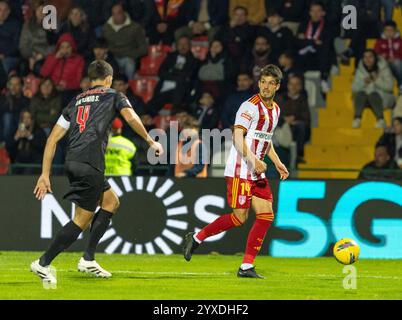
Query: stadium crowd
[191, 60]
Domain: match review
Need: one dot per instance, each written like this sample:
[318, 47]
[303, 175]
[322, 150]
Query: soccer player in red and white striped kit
[245, 169]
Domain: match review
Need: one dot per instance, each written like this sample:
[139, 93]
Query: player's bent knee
[266, 216]
[240, 218]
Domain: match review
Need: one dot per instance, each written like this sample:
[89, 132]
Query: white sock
[246, 266]
[196, 239]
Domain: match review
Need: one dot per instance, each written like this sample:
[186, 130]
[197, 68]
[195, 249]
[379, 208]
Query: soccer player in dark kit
[87, 118]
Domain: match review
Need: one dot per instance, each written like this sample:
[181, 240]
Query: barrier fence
[156, 212]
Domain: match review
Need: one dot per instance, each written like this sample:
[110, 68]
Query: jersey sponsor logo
[82, 116]
[261, 135]
[246, 116]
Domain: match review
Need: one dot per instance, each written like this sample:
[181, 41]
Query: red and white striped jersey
[260, 122]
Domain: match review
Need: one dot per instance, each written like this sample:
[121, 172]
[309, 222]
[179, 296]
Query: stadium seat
[144, 87]
[4, 161]
[150, 65]
[158, 49]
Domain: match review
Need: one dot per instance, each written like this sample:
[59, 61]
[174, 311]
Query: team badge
[242, 200]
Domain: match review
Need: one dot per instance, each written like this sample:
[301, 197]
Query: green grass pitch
[205, 277]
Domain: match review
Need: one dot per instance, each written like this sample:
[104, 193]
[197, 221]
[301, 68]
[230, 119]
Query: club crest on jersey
[242, 200]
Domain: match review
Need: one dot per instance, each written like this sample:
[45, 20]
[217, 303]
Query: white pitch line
[147, 272]
[219, 273]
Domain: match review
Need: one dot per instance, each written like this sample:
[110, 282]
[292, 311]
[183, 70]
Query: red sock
[257, 235]
[223, 223]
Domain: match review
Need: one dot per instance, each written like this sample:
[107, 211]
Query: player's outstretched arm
[43, 185]
[240, 144]
[136, 124]
[280, 167]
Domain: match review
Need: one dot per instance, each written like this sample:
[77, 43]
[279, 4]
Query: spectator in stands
[29, 144]
[333, 14]
[368, 17]
[382, 167]
[120, 84]
[295, 111]
[120, 152]
[203, 17]
[217, 73]
[62, 7]
[141, 11]
[279, 36]
[11, 105]
[234, 100]
[64, 66]
[78, 26]
[372, 86]
[177, 75]
[101, 51]
[191, 155]
[9, 38]
[315, 44]
[256, 8]
[46, 105]
[96, 11]
[259, 57]
[125, 38]
[206, 112]
[167, 16]
[33, 45]
[287, 65]
[291, 11]
[393, 139]
[389, 46]
[238, 35]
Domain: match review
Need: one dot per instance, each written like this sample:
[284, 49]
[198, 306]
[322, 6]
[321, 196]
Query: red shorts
[240, 191]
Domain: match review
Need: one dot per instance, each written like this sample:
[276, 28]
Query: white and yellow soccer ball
[346, 251]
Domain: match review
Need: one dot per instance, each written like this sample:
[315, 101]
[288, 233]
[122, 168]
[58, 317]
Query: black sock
[99, 226]
[64, 238]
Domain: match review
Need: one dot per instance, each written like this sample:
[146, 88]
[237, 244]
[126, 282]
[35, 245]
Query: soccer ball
[346, 251]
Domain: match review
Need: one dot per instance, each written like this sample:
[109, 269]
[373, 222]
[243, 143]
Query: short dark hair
[101, 43]
[241, 8]
[390, 23]
[399, 119]
[317, 3]
[272, 12]
[288, 54]
[121, 77]
[273, 71]
[245, 73]
[383, 145]
[99, 70]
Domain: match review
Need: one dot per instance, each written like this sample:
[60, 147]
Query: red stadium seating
[150, 65]
[144, 87]
[158, 49]
[4, 161]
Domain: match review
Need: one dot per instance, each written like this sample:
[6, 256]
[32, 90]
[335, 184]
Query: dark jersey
[90, 115]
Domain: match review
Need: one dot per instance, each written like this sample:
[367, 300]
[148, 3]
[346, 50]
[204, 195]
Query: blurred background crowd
[196, 61]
